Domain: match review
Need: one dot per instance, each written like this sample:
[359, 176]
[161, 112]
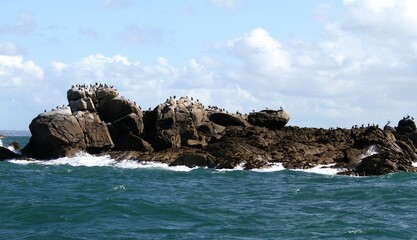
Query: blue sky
[329, 63]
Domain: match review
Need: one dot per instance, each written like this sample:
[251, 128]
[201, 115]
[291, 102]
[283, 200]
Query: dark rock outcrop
[406, 126]
[6, 154]
[385, 162]
[197, 159]
[181, 131]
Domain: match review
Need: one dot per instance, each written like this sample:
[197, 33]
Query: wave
[372, 150]
[88, 160]
[325, 169]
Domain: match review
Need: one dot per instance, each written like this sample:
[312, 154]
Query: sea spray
[372, 150]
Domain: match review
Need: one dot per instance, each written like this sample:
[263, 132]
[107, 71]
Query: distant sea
[87, 197]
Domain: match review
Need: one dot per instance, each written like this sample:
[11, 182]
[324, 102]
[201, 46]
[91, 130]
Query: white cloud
[260, 53]
[24, 24]
[14, 72]
[386, 17]
[362, 70]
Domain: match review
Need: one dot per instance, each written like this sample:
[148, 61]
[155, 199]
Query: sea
[88, 197]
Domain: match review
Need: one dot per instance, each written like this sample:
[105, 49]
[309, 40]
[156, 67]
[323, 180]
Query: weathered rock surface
[60, 133]
[173, 124]
[270, 119]
[182, 131]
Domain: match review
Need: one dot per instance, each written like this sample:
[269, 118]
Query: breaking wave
[87, 160]
[372, 150]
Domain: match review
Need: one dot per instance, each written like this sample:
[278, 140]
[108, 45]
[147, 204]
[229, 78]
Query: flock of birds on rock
[408, 117]
[63, 107]
[91, 86]
[214, 108]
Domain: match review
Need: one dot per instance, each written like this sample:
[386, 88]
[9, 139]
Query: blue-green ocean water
[92, 198]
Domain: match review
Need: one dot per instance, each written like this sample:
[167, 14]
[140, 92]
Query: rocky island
[182, 131]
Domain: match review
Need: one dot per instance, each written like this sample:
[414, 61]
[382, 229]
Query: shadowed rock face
[270, 119]
[182, 131]
[6, 154]
[60, 133]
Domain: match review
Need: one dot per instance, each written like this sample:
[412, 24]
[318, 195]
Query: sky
[329, 63]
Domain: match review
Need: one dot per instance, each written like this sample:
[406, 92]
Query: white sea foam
[274, 167]
[1, 142]
[372, 150]
[11, 148]
[239, 167]
[326, 169]
[87, 160]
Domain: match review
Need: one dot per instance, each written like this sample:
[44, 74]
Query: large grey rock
[271, 119]
[96, 135]
[59, 133]
[226, 119]
[55, 134]
[173, 123]
[75, 94]
[106, 93]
